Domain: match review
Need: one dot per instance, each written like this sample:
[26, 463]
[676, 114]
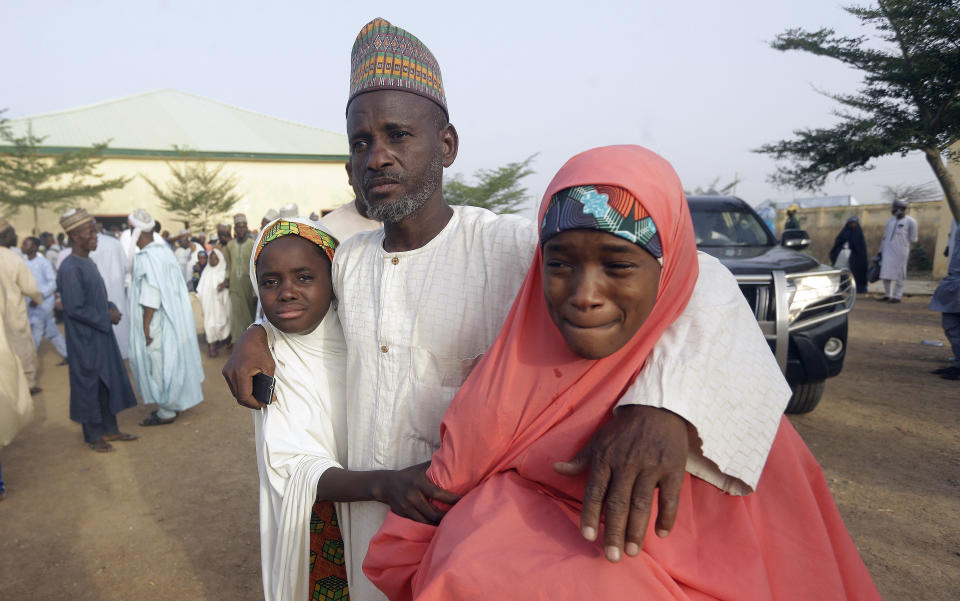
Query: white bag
[843, 258]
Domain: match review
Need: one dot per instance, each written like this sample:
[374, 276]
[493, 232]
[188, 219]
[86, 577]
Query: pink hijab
[531, 401]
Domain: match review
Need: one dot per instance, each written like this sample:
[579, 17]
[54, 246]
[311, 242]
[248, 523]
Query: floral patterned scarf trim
[609, 209]
[291, 228]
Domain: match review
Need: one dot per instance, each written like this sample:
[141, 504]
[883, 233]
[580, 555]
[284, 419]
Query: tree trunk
[950, 189]
[36, 220]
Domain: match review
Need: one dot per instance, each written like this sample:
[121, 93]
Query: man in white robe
[898, 236]
[111, 262]
[42, 323]
[16, 281]
[164, 355]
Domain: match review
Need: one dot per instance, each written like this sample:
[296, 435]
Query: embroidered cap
[386, 57]
[74, 218]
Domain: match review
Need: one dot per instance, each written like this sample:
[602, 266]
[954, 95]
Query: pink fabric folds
[532, 402]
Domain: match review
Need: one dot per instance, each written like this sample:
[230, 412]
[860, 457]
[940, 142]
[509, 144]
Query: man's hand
[251, 356]
[115, 316]
[33, 304]
[222, 285]
[408, 493]
[640, 449]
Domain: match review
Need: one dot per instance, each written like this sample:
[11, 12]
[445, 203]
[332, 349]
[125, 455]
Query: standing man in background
[16, 281]
[99, 385]
[946, 299]
[164, 355]
[899, 234]
[243, 302]
[111, 260]
[42, 323]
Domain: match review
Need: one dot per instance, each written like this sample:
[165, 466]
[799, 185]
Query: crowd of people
[122, 296]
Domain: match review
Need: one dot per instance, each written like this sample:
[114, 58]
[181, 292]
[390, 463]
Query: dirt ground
[173, 515]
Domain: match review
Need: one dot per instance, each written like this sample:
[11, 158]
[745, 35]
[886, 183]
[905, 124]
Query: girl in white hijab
[215, 301]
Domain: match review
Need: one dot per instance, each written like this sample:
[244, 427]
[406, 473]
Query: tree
[198, 193]
[912, 193]
[715, 189]
[908, 100]
[29, 177]
[498, 190]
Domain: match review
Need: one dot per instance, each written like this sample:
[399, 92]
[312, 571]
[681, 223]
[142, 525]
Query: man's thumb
[574, 467]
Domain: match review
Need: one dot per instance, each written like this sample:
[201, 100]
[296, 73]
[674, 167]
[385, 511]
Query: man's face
[898, 212]
[223, 233]
[397, 152]
[29, 247]
[183, 241]
[241, 230]
[85, 237]
[48, 240]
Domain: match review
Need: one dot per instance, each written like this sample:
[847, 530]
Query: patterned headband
[283, 228]
[609, 209]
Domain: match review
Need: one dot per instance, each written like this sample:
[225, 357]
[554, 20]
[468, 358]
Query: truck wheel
[805, 397]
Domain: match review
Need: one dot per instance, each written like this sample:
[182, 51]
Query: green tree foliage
[498, 190]
[31, 178]
[197, 192]
[908, 100]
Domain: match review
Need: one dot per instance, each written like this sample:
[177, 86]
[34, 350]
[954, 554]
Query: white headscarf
[215, 304]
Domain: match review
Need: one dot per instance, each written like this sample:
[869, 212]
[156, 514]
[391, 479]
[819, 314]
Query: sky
[695, 81]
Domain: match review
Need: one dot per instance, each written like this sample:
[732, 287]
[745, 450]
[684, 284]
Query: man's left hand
[115, 316]
[642, 448]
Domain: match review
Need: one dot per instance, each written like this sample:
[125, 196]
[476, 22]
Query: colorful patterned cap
[609, 209]
[282, 227]
[386, 57]
[74, 218]
[239, 218]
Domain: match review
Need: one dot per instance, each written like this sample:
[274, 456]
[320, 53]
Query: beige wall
[824, 223]
[262, 184]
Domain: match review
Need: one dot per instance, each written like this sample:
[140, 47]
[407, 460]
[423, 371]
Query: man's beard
[407, 205]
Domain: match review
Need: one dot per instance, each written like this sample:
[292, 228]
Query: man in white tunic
[42, 323]
[420, 302]
[899, 234]
[111, 261]
[16, 281]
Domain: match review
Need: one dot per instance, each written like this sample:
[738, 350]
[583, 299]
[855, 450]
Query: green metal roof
[151, 124]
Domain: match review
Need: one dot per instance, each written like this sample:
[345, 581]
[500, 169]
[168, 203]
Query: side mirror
[795, 239]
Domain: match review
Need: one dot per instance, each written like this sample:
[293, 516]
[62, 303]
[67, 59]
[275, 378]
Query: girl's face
[599, 289]
[295, 287]
[213, 259]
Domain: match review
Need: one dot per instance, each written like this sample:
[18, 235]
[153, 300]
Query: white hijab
[299, 436]
[215, 304]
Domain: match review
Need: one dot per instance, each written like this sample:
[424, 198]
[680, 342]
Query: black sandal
[154, 420]
[100, 446]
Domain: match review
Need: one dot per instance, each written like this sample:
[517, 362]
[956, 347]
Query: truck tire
[805, 397]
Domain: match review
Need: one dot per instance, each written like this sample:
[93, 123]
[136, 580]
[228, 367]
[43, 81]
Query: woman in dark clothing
[852, 236]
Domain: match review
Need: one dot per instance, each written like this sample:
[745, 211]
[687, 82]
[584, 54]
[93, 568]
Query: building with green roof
[275, 161]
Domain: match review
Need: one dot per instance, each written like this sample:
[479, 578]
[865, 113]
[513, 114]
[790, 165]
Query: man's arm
[251, 356]
[75, 305]
[27, 283]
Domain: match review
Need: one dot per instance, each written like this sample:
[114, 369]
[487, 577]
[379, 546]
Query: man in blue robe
[42, 323]
[99, 386]
[164, 352]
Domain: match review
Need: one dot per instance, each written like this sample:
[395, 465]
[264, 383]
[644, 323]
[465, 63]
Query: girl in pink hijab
[617, 265]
